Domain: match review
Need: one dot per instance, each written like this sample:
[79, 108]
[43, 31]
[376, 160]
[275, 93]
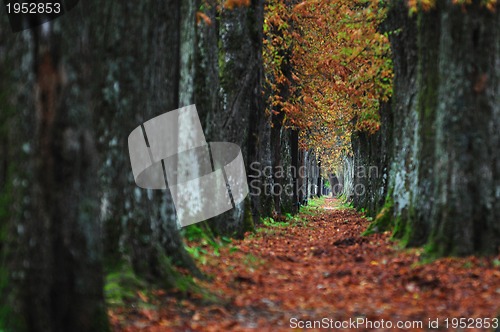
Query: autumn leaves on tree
[340, 69]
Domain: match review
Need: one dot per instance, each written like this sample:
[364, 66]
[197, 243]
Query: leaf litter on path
[324, 270]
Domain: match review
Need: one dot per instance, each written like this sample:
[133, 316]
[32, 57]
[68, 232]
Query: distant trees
[329, 70]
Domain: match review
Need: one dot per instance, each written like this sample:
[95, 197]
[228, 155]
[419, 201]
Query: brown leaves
[300, 7]
[200, 16]
[323, 268]
[231, 4]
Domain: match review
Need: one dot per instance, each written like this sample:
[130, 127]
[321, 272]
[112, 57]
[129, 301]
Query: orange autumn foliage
[426, 5]
[341, 69]
[231, 4]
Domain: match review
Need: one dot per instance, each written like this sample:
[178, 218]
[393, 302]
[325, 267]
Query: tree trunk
[466, 172]
[371, 164]
[239, 118]
[158, 61]
[62, 289]
[444, 171]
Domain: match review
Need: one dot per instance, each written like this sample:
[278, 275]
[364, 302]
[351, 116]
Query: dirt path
[322, 270]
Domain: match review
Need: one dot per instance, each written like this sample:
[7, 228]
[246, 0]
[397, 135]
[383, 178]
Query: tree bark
[466, 173]
[239, 117]
[63, 287]
[152, 73]
[444, 171]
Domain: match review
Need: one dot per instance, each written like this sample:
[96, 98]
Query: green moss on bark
[248, 222]
[384, 220]
[403, 229]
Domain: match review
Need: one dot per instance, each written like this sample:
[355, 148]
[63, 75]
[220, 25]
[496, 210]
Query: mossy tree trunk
[444, 170]
[146, 68]
[98, 72]
[228, 93]
[466, 194]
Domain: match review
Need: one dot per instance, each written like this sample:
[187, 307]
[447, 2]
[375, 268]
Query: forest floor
[318, 267]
